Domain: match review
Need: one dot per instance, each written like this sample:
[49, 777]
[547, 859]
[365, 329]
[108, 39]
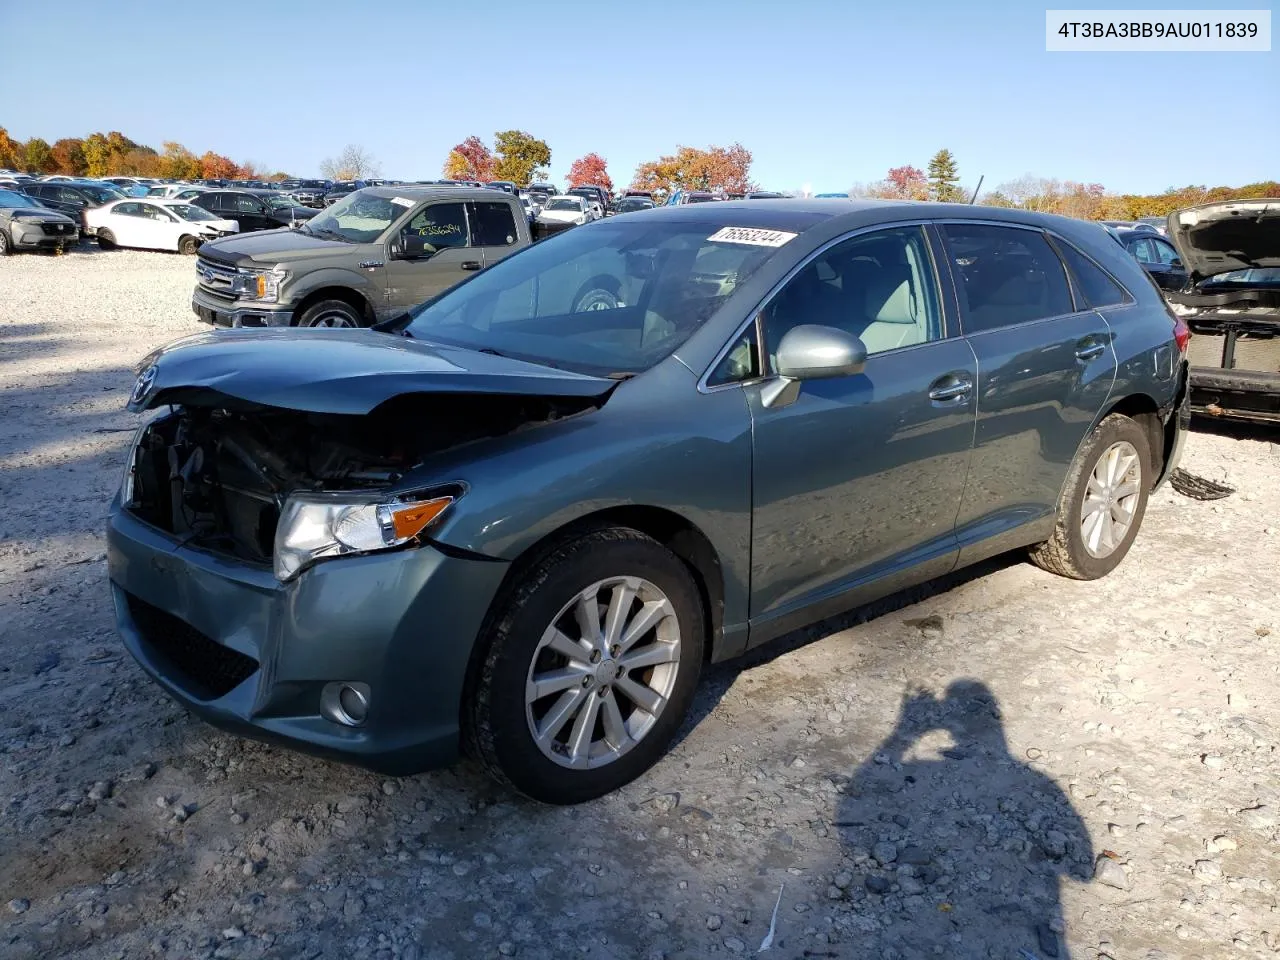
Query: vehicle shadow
[1237, 429]
[954, 843]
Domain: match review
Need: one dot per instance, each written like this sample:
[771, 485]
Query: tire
[501, 708]
[1083, 554]
[106, 240]
[187, 246]
[598, 293]
[6, 247]
[331, 313]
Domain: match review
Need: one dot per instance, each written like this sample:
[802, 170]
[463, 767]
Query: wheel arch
[1145, 411]
[346, 294]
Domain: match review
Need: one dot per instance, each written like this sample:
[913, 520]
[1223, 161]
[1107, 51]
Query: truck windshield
[647, 286]
[357, 218]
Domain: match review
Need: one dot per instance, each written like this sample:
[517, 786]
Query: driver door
[431, 253]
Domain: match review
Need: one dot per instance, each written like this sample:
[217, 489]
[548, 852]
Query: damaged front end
[287, 488]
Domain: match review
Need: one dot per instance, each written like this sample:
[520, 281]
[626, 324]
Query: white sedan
[565, 209]
[155, 224]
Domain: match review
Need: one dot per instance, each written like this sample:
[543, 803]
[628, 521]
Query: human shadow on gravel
[959, 847]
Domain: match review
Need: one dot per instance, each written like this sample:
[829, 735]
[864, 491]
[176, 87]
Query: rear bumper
[1176, 429]
[218, 313]
[252, 656]
[1236, 394]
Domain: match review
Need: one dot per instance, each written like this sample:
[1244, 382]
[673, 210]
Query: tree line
[114, 154]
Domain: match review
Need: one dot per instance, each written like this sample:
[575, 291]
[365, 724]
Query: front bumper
[1236, 394]
[220, 313]
[251, 655]
[31, 236]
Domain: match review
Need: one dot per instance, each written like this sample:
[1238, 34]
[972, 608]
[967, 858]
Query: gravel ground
[1006, 765]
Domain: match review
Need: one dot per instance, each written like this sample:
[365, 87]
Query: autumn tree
[68, 156]
[470, 160]
[590, 171]
[214, 166]
[944, 180]
[38, 157]
[690, 168]
[11, 153]
[249, 170]
[178, 162]
[906, 183]
[353, 163]
[521, 157]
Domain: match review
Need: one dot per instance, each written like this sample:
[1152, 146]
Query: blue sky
[823, 93]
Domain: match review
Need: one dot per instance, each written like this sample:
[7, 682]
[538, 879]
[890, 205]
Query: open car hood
[1232, 235]
[335, 371]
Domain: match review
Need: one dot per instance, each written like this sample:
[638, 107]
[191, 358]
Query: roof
[416, 192]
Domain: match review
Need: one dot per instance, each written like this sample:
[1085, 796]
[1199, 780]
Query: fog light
[345, 703]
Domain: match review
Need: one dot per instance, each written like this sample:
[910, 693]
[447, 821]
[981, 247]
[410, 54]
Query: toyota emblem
[141, 389]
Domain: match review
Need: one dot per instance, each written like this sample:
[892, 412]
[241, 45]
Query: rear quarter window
[1093, 283]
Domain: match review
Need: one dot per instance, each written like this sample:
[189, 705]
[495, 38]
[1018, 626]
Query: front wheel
[187, 246]
[1103, 502]
[5, 249]
[590, 668]
[106, 240]
[330, 313]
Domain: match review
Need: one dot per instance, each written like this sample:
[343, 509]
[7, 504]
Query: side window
[1143, 250]
[440, 225]
[211, 201]
[246, 204]
[68, 195]
[741, 363]
[1005, 275]
[156, 213]
[126, 209]
[1165, 253]
[1098, 288]
[879, 286]
[494, 225]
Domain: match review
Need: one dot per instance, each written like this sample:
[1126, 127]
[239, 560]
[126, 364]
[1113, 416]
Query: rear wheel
[106, 240]
[331, 313]
[590, 668]
[187, 246]
[1103, 502]
[5, 248]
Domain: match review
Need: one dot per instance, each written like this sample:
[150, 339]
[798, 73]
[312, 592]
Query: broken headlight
[316, 526]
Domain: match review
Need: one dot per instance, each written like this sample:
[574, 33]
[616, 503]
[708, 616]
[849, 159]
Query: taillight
[1181, 334]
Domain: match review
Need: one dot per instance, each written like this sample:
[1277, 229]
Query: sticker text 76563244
[755, 236]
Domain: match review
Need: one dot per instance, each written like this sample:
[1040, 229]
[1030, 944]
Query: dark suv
[72, 199]
[523, 515]
[254, 209]
[1156, 254]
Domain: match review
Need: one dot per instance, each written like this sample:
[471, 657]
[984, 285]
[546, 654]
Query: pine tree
[944, 181]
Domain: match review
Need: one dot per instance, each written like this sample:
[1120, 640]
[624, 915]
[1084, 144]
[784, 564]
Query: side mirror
[1177, 263]
[411, 246]
[812, 352]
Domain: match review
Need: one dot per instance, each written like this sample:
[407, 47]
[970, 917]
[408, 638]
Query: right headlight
[316, 526]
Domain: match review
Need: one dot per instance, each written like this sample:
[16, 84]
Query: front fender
[367, 283]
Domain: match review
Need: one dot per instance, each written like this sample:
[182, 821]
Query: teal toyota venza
[517, 520]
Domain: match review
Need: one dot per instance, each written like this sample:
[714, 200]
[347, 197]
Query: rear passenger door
[1045, 369]
[493, 230]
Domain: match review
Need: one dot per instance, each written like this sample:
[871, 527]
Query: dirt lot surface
[1009, 765]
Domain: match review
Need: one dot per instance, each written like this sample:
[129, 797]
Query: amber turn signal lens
[411, 519]
[262, 286]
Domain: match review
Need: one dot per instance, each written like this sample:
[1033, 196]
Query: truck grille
[214, 277]
[203, 667]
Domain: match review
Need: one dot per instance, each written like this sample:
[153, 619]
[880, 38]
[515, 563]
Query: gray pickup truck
[368, 257]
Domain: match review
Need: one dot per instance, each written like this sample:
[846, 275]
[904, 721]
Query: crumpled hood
[335, 371]
[269, 247]
[1217, 238]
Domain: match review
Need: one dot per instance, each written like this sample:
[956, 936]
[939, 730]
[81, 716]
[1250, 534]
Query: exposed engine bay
[218, 475]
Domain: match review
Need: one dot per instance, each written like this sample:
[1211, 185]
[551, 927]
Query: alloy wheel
[1110, 499]
[603, 672]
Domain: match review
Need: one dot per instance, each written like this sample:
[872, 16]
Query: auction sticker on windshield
[755, 236]
[402, 201]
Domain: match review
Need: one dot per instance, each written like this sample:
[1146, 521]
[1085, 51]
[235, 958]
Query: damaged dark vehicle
[520, 517]
[1232, 305]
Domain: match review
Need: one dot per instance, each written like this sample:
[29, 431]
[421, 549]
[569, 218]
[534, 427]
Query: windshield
[188, 212]
[357, 218]
[1260, 276]
[278, 202]
[564, 204]
[101, 194]
[11, 198]
[615, 299]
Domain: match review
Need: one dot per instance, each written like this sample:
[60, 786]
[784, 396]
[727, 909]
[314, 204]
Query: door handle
[470, 264]
[950, 388]
[1089, 348]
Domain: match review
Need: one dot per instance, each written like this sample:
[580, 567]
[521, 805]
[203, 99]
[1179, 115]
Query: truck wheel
[187, 246]
[1102, 504]
[106, 240]
[598, 293]
[331, 313]
[590, 668]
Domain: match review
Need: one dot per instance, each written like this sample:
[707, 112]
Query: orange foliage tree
[590, 171]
